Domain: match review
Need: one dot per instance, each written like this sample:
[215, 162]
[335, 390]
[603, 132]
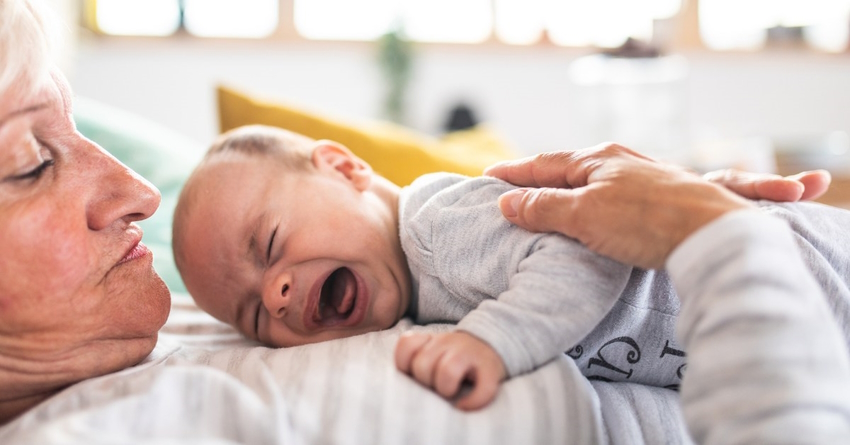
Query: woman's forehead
[52, 92]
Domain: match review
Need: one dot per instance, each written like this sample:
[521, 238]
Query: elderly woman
[78, 294]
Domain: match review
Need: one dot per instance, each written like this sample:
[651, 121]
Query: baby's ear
[329, 156]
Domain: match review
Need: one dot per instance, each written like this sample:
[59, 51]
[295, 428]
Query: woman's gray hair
[26, 39]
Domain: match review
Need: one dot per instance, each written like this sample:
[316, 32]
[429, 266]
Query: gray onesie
[533, 296]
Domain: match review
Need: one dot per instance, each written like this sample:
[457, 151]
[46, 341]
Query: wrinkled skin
[78, 294]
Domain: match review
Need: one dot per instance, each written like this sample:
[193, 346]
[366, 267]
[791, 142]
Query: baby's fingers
[485, 385]
[451, 373]
[406, 349]
[423, 365]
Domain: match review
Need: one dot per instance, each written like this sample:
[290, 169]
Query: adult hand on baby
[447, 361]
[616, 201]
[802, 186]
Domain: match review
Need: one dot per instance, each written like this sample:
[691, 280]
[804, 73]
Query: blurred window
[137, 17]
[343, 20]
[752, 24]
[521, 22]
[603, 23]
[723, 24]
[203, 18]
[230, 18]
[454, 21]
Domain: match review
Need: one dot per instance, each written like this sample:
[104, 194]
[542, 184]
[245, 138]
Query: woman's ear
[331, 157]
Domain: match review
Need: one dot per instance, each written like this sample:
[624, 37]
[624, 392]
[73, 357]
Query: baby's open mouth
[336, 301]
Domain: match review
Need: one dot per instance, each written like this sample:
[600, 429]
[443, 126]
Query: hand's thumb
[539, 210]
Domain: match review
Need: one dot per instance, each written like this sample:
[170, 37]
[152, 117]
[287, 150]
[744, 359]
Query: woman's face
[78, 293]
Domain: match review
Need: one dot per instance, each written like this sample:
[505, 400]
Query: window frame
[681, 30]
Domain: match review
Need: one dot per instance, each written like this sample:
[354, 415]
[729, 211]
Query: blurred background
[758, 84]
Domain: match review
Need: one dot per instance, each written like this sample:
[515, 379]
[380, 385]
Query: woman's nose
[277, 295]
[119, 194]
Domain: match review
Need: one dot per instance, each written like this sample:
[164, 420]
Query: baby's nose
[278, 295]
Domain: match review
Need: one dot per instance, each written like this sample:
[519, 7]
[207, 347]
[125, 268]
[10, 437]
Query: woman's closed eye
[35, 173]
[38, 171]
[41, 154]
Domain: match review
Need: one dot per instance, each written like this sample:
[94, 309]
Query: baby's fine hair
[293, 150]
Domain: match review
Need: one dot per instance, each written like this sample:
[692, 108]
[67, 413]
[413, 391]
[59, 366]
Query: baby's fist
[449, 361]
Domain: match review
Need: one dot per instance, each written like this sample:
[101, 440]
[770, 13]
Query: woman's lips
[137, 251]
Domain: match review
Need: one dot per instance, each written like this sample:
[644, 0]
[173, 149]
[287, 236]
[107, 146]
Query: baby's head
[291, 240]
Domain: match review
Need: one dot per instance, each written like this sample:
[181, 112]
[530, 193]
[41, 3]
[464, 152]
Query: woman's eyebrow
[27, 110]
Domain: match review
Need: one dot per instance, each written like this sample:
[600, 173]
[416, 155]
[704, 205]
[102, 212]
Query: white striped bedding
[205, 384]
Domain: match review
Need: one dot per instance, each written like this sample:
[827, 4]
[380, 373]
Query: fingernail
[509, 202]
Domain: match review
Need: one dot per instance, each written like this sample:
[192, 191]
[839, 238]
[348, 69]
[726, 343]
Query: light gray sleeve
[558, 294]
[530, 296]
[766, 360]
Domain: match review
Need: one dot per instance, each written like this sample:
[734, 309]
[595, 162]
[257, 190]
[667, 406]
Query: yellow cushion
[396, 152]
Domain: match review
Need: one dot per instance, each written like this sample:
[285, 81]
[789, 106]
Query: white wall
[523, 92]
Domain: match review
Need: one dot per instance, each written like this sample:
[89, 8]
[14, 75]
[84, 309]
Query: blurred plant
[395, 55]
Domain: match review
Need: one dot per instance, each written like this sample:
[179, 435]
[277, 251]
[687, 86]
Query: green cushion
[161, 155]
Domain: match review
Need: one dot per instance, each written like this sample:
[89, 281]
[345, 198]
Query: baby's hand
[445, 362]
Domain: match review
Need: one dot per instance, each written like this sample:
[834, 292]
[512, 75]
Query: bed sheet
[204, 383]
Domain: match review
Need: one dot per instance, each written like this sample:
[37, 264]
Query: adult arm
[766, 360]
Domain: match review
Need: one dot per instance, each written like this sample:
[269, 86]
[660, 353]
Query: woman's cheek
[56, 256]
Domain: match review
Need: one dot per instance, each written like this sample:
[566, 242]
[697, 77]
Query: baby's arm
[528, 297]
[446, 362]
[545, 292]
[555, 297]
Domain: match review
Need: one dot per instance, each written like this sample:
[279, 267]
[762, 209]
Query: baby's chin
[390, 315]
[403, 310]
